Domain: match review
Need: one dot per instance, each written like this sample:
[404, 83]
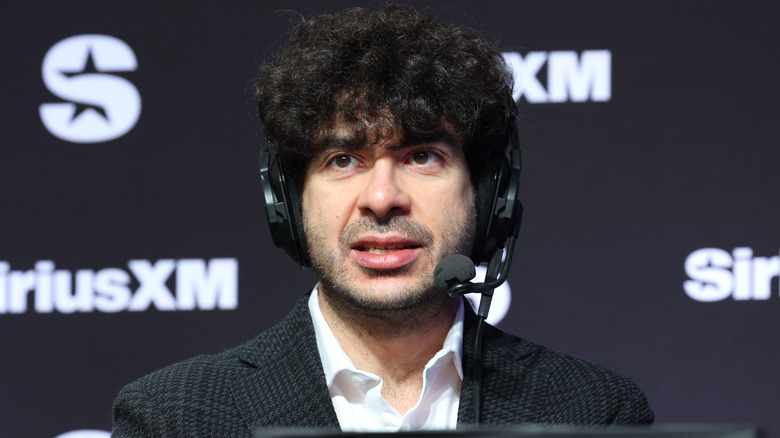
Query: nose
[383, 196]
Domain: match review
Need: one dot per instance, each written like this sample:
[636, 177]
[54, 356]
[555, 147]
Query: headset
[499, 210]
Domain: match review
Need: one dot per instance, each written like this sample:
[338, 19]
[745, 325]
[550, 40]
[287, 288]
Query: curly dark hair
[382, 71]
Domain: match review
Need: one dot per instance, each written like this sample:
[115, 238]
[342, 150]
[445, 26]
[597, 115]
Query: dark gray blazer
[276, 380]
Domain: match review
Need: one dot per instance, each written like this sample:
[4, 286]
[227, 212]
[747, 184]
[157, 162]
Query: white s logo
[101, 106]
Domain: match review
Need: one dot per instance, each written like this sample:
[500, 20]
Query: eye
[424, 157]
[343, 161]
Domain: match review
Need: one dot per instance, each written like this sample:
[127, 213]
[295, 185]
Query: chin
[385, 293]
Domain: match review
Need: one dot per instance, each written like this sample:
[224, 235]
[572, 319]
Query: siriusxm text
[167, 284]
[571, 77]
[715, 274]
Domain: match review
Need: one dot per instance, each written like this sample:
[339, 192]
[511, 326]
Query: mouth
[385, 253]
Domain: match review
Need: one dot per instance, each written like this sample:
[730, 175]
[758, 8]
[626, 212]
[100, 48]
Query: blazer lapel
[512, 387]
[283, 384]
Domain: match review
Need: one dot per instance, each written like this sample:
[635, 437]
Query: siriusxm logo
[571, 77]
[100, 105]
[199, 285]
[715, 274]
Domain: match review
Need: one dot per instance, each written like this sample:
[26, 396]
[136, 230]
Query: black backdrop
[160, 236]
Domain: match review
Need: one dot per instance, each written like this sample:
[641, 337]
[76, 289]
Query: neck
[395, 347]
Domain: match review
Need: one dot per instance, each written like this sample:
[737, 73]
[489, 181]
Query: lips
[385, 253]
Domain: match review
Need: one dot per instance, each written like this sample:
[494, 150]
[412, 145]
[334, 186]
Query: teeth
[384, 249]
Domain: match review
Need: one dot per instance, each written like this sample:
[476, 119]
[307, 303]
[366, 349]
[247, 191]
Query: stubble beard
[369, 309]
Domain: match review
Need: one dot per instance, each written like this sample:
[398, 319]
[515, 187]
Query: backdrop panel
[132, 233]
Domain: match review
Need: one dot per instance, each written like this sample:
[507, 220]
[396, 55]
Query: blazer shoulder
[189, 398]
[568, 390]
[199, 371]
[209, 372]
[197, 396]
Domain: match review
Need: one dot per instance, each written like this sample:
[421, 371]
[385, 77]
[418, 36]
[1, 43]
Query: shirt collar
[334, 359]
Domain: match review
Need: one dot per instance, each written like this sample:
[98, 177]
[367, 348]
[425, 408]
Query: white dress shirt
[357, 395]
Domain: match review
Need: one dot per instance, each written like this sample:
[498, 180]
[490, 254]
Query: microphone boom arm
[491, 281]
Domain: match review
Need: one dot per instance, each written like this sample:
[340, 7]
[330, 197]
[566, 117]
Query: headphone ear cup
[283, 209]
[490, 180]
[499, 210]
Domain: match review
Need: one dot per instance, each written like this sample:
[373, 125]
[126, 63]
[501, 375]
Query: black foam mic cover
[452, 270]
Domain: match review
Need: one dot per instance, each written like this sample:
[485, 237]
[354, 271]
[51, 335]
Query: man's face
[379, 218]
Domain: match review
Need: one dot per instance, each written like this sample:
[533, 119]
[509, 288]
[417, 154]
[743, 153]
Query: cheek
[461, 197]
[449, 207]
[324, 211]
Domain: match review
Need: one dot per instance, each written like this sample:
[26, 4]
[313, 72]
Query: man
[384, 121]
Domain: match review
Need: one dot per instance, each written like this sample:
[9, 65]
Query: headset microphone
[453, 271]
